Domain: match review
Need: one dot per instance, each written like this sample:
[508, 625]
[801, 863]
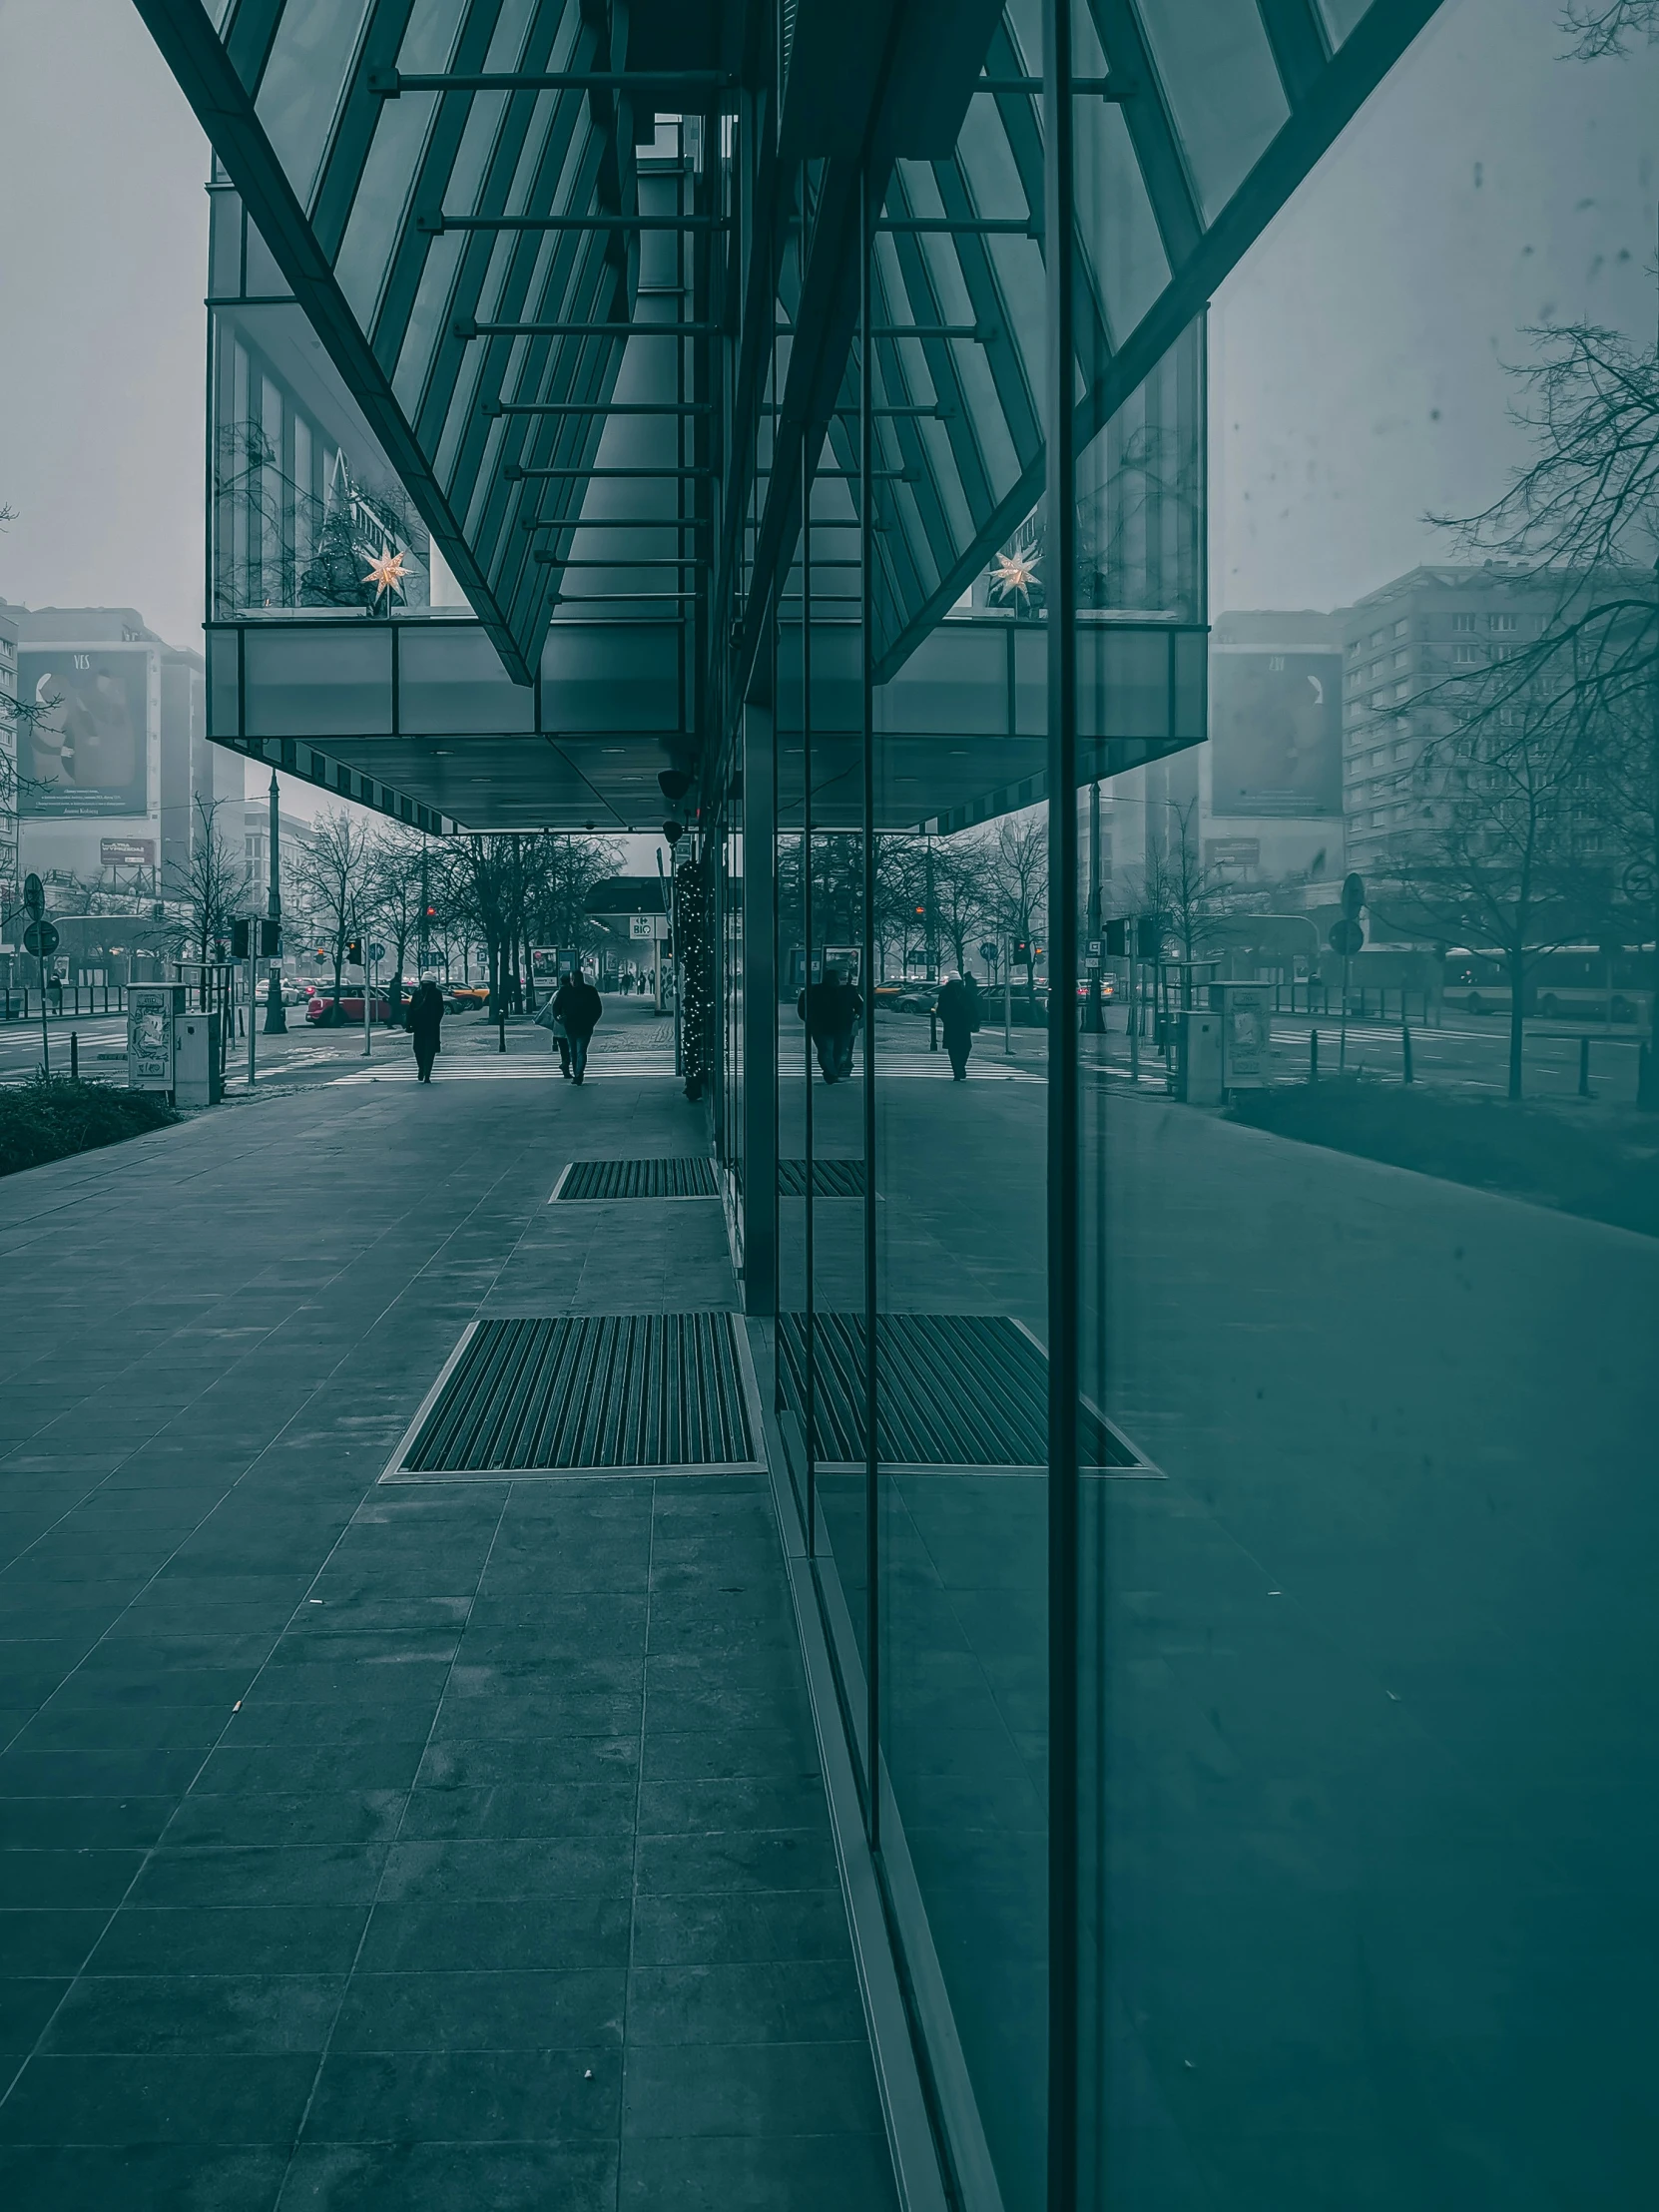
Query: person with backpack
[831, 1010]
[578, 1005]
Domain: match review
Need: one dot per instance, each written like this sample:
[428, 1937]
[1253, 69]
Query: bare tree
[212, 884]
[1020, 884]
[964, 893]
[1508, 858]
[393, 896]
[1585, 519]
[1599, 28]
[333, 875]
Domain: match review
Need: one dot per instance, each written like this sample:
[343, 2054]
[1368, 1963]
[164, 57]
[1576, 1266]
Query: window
[1467, 655]
[1403, 660]
[1500, 622]
[1403, 629]
[1462, 622]
[1376, 637]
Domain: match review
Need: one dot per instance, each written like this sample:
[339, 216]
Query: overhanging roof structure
[594, 356]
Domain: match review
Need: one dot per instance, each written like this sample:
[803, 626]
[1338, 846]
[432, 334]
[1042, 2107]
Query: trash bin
[196, 1069]
[1198, 1057]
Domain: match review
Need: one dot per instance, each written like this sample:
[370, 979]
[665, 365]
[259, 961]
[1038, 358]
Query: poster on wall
[1275, 732]
[84, 753]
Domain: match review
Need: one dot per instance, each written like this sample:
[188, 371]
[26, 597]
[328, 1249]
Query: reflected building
[792, 419]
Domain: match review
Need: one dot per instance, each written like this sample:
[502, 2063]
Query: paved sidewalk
[390, 1846]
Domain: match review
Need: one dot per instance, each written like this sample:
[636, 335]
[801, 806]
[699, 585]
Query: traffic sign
[42, 939]
[1353, 896]
[376, 951]
[1638, 882]
[990, 951]
[1346, 937]
[34, 897]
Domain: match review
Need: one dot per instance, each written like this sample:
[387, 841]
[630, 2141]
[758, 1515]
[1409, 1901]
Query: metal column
[760, 1012]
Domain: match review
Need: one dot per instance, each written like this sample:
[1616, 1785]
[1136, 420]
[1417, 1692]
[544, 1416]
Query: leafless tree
[332, 876]
[1507, 855]
[212, 884]
[1018, 866]
[964, 893]
[1583, 520]
[393, 896]
[1598, 28]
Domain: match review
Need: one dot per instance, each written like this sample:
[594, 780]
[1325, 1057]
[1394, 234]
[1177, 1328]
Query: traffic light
[354, 952]
[239, 938]
[1022, 952]
[1117, 939]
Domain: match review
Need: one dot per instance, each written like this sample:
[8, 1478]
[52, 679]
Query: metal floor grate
[599, 1390]
[954, 1389]
[691, 1177]
[831, 1178]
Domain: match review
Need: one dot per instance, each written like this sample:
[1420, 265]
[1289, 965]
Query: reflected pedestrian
[579, 1006]
[423, 1022]
[548, 1018]
[831, 1010]
[959, 1014]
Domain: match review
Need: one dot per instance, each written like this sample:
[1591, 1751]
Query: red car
[351, 1010]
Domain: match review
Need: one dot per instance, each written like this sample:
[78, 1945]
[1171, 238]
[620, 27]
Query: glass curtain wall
[1231, 1551]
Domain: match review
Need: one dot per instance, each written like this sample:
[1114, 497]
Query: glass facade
[1229, 1549]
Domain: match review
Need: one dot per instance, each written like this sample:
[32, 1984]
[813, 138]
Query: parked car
[351, 1010]
[464, 997]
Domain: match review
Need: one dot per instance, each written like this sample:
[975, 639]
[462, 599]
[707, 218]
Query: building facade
[793, 418]
[1413, 652]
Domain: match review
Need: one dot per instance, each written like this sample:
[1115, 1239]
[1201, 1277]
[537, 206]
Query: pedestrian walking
[423, 1021]
[548, 1018]
[579, 1006]
[958, 1018]
[831, 1010]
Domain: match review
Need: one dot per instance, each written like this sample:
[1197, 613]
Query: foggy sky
[1489, 184]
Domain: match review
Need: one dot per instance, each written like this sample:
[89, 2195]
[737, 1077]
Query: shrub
[41, 1121]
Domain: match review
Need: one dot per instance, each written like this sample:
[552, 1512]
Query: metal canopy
[452, 197]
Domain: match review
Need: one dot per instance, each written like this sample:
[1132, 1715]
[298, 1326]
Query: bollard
[1313, 1055]
[501, 1028]
[932, 1032]
[1584, 1067]
[1405, 1049]
[74, 1057]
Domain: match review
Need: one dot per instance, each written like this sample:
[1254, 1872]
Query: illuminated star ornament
[1014, 572]
[385, 574]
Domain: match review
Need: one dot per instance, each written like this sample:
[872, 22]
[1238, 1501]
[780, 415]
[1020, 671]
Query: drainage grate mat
[954, 1389]
[831, 1178]
[678, 1178]
[599, 1390]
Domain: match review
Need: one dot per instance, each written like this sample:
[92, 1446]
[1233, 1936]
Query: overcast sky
[1357, 378]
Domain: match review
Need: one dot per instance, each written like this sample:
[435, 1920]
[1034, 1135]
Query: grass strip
[1606, 1168]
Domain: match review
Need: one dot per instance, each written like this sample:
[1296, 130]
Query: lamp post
[276, 1014]
[1094, 1018]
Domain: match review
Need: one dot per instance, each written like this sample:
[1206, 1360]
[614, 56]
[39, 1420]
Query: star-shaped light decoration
[1015, 572]
[385, 573]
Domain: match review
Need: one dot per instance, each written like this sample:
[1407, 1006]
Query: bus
[1576, 983]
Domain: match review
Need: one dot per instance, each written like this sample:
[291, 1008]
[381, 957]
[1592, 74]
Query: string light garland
[691, 907]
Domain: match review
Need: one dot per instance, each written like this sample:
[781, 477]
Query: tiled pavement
[376, 1846]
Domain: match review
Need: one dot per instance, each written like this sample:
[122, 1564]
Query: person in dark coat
[422, 1021]
[958, 1018]
[579, 1006]
[831, 1010]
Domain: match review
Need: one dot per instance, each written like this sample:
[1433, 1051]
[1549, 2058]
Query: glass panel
[309, 683]
[1341, 17]
[304, 82]
[1222, 87]
[450, 680]
[304, 503]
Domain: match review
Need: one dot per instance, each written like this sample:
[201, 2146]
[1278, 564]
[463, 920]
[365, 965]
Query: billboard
[1275, 732]
[86, 753]
[125, 852]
